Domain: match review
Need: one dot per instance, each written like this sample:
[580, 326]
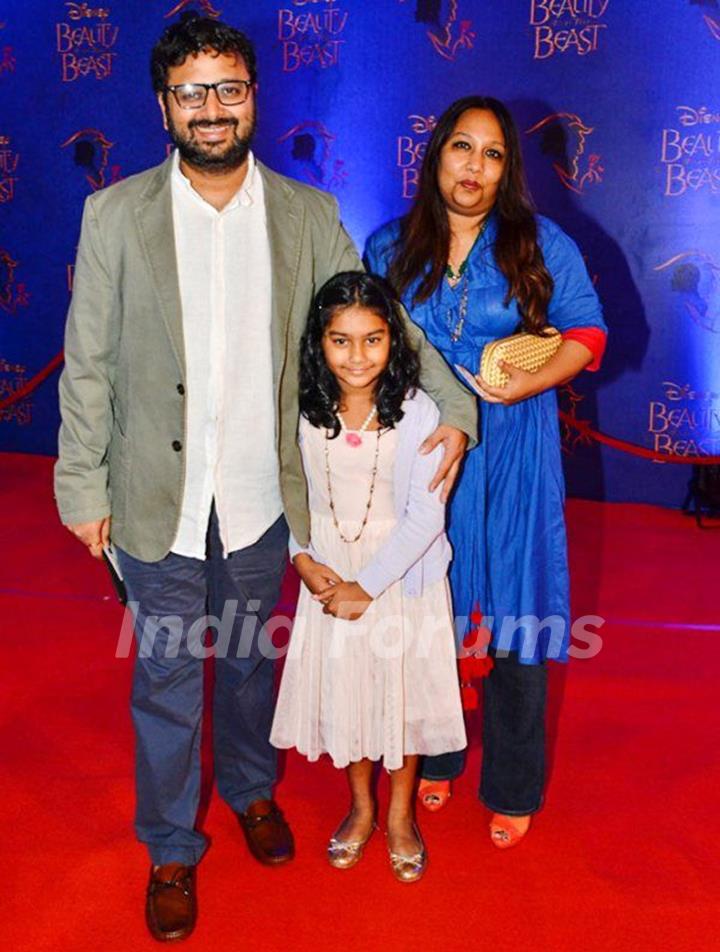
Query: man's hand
[316, 576]
[455, 442]
[346, 600]
[93, 534]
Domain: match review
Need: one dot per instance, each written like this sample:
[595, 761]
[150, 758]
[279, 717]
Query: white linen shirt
[223, 260]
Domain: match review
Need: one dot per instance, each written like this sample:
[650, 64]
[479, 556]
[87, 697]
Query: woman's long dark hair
[424, 243]
[319, 390]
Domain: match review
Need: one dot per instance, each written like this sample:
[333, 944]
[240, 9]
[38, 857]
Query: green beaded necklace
[449, 273]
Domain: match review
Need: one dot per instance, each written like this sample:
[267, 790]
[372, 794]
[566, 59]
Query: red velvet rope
[587, 433]
[582, 426]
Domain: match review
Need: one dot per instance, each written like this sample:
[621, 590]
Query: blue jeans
[167, 692]
[513, 753]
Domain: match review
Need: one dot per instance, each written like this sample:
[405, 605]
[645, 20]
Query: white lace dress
[385, 685]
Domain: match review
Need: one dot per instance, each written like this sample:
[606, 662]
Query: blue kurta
[506, 520]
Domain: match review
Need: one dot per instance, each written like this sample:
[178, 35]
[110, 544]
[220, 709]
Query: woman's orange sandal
[506, 831]
[434, 794]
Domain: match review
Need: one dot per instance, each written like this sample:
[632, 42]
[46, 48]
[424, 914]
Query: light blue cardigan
[417, 549]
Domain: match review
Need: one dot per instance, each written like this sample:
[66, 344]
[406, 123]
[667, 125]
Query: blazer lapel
[284, 225]
[155, 222]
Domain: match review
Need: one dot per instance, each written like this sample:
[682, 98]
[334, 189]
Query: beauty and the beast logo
[13, 377]
[564, 138]
[13, 294]
[710, 14]
[311, 33]
[204, 7]
[91, 153]
[685, 421]
[695, 285]
[566, 26]
[410, 150]
[690, 152]
[311, 144]
[86, 48]
[9, 161]
[448, 31]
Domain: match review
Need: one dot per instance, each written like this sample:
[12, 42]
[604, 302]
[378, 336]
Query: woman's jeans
[513, 761]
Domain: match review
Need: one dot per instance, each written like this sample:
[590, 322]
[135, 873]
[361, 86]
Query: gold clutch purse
[526, 351]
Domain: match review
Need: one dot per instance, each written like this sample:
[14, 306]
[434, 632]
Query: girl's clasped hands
[345, 600]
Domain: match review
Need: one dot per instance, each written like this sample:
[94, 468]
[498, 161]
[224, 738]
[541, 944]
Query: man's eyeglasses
[194, 95]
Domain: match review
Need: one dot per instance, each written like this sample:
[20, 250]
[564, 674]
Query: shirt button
[176, 445]
[181, 389]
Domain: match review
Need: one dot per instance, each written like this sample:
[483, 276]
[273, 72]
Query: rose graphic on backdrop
[91, 152]
[569, 401]
[695, 282]
[712, 21]
[446, 31]
[563, 138]
[310, 147]
[12, 295]
[7, 57]
[203, 6]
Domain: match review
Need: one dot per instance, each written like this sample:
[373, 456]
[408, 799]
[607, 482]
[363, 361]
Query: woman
[473, 263]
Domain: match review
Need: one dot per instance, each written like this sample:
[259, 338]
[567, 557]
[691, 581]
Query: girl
[371, 671]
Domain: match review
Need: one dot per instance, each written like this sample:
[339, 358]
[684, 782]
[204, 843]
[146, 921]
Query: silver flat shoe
[408, 869]
[343, 854]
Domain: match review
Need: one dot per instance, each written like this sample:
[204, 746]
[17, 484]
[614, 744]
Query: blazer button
[181, 390]
[176, 445]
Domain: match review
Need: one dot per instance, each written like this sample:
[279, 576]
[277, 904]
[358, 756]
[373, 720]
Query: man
[180, 414]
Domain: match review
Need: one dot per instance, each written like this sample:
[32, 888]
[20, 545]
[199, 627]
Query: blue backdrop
[617, 102]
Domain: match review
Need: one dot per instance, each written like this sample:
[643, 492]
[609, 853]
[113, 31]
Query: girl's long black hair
[319, 390]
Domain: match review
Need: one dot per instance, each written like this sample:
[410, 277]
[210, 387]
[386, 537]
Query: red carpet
[624, 856]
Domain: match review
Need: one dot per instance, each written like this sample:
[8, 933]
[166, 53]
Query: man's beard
[209, 159]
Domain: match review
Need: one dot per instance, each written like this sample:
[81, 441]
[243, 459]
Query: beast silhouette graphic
[204, 6]
[563, 138]
[311, 144]
[91, 152]
[446, 32]
[695, 279]
[12, 296]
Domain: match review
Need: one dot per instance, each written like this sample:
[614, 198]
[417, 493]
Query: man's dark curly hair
[319, 390]
[194, 34]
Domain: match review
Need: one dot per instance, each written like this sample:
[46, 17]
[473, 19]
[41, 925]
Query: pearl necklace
[354, 439]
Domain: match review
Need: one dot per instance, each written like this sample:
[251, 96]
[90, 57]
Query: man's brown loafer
[267, 834]
[171, 906]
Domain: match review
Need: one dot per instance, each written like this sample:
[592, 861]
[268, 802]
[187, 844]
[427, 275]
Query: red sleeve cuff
[593, 338]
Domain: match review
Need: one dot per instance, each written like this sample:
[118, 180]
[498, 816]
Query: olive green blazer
[123, 388]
